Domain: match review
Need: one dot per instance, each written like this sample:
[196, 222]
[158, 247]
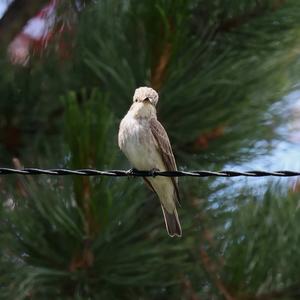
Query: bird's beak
[147, 100]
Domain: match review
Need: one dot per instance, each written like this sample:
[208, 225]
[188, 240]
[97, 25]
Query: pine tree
[218, 67]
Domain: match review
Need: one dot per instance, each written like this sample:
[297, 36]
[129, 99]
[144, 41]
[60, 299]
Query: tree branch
[238, 21]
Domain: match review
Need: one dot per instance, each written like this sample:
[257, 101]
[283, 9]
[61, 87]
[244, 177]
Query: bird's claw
[131, 171]
[153, 172]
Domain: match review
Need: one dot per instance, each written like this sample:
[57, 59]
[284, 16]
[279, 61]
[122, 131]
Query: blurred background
[227, 73]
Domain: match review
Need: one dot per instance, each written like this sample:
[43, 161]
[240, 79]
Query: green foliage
[85, 125]
[30, 106]
[262, 242]
[50, 254]
[218, 66]
[207, 70]
[79, 237]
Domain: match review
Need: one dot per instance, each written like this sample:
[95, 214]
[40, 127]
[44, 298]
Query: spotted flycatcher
[145, 143]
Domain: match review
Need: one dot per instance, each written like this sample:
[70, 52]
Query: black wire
[151, 173]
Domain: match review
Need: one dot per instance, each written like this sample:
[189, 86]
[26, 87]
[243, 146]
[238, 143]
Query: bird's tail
[172, 222]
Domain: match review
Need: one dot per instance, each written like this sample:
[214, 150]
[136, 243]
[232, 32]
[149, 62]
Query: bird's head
[145, 94]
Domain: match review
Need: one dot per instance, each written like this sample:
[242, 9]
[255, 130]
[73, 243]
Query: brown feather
[172, 222]
[165, 149]
[149, 185]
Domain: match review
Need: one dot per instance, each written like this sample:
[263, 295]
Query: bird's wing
[164, 148]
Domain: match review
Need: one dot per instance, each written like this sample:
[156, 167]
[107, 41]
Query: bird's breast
[137, 143]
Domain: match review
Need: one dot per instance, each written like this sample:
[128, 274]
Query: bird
[146, 144]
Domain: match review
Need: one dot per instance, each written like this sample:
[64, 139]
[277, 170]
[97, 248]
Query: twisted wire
[147, 173]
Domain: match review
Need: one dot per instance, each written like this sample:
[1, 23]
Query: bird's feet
[131, 171]
[153, 172]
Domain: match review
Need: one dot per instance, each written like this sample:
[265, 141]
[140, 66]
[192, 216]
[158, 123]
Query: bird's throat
[143, 110]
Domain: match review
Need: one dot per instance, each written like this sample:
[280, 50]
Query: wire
[138, 173]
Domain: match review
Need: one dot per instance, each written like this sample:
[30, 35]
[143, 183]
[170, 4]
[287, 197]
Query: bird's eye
[135, 100]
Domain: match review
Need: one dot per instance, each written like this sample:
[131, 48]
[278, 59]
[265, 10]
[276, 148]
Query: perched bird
[145, 143]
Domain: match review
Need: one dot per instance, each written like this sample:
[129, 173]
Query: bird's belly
[139, 146]
[143, 155]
